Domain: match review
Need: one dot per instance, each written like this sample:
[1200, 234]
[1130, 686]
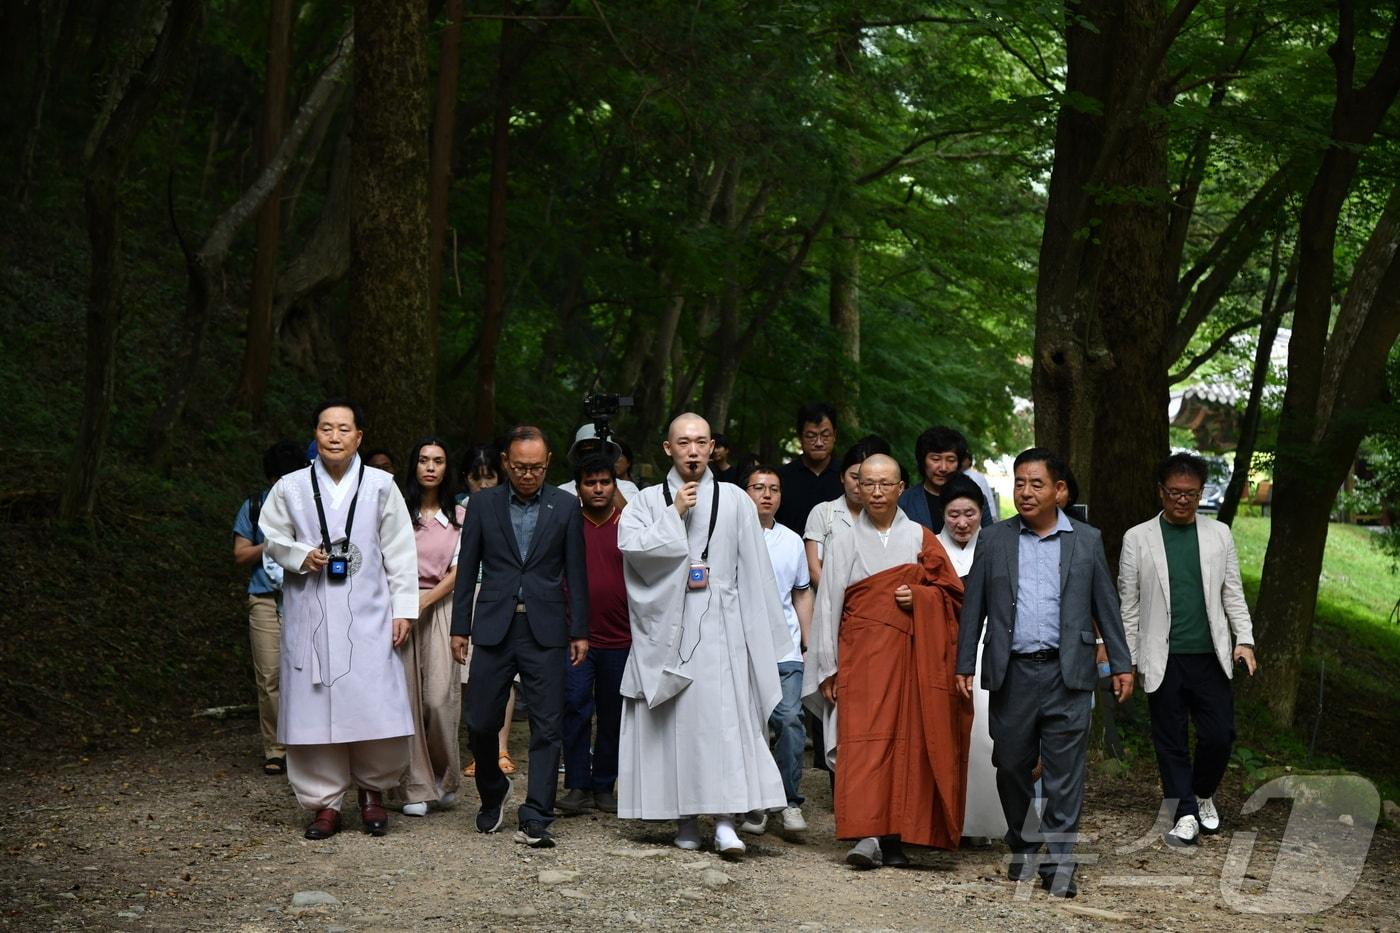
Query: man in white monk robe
[345, 539]
[707, 632]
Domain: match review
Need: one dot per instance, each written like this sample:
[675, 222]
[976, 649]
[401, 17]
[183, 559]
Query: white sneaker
[447, 801]
[793, 821]
[755, 823]
[727, 842]
[687, 834]
[1210, 817]
[1186, 832]
[415, 809]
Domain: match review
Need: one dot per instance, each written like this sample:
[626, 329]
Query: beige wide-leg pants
[435, 696]
[265, 635]
[321, 774]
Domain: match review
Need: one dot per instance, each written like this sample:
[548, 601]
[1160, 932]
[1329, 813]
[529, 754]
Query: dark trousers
[493, 669]
[1035, 714]
[593, 688]
[1194, 687]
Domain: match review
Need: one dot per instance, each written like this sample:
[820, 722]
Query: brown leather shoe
[324, 825]
[372, 814]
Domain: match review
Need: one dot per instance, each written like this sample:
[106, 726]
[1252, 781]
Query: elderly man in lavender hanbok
[345, 539]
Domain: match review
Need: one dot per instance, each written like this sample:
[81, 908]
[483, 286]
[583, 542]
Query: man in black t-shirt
[812, 477]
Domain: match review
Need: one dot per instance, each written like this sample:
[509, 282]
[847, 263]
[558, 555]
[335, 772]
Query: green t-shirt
[1190, 633]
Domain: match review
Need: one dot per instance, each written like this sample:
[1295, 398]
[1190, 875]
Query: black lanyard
[714, 514]
[321, 513]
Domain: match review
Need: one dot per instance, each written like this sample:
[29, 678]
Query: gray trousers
[1035, 715]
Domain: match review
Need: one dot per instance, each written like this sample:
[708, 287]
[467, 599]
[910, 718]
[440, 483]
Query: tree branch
[1216, 345]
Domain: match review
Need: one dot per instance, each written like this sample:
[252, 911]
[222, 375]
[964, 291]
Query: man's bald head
[688, 423]
[880, 486]
[879, 465]
[689, 444]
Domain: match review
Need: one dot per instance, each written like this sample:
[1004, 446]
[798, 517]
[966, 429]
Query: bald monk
[882, 640]
[707, 632]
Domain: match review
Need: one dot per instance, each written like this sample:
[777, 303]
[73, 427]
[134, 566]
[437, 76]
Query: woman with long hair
[434, 686]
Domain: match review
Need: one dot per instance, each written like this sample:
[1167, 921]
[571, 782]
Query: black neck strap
[321, 512]
[714, 513]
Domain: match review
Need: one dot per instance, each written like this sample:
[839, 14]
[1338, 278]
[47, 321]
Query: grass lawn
[1354, 664]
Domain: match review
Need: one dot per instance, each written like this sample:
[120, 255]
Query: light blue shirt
[260, 584]
[1038, 589]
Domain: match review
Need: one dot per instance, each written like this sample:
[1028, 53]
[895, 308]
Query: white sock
[725, 837]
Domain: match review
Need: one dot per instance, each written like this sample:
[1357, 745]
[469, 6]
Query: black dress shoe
[892, 852]
[1059, 884]
[576, 801]
[1020, 869]
[325, 824]
[373, 816]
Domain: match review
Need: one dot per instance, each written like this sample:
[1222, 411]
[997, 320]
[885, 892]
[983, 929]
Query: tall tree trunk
[257, 351]
[493, 297]
[844, 311]
[392, 362]
[440, 160]
[1098, 371]
[204, 267]
[51, 15]
[1331, 378]
[1277, 301]
[111, 150]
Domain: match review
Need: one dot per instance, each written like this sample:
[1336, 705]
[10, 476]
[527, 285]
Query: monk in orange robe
[882, 652]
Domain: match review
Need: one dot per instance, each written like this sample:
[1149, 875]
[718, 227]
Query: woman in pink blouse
[434, 686]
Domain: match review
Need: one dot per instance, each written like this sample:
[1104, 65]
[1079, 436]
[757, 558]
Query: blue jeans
[786, 721]
[592, 687]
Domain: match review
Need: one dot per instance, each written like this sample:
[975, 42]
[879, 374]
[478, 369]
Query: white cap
[589, 433]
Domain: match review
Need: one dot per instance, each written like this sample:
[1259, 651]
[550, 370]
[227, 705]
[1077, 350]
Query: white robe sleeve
[655, 553]
[825, 630]
[400, 552]
[280, 533]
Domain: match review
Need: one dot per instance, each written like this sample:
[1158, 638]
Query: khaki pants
[265, 635]
[435, 696]
[321, 774]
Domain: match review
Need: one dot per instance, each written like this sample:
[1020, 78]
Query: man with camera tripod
[344, 537]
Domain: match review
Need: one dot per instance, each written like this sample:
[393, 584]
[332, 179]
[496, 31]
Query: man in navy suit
[526, 540]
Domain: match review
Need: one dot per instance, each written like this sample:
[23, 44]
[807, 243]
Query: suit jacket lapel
[1013, 558]
[542, 520]
[1158, 547]
[507, 528]
[1066, 557]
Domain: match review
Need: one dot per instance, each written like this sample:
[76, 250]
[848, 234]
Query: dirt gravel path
[192, 837]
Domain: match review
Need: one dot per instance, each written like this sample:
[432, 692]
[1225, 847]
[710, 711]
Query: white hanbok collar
[960, 556]
[337, 491]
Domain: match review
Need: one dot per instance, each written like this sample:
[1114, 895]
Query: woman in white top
[962, 521]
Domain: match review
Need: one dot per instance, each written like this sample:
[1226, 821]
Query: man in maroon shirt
[590, 777]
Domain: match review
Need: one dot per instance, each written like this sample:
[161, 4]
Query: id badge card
[699, 576]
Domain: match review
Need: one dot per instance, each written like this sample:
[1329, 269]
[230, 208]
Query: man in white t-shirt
[789, 560]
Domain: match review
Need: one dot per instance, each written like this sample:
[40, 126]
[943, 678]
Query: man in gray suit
[1041, 580]
[526, 539]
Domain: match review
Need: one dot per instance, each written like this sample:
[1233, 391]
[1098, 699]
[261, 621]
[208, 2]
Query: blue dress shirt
[1038, 589]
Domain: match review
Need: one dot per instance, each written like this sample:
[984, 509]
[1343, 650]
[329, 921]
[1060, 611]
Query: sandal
[469, 770]
[275, 766]
[507, 766]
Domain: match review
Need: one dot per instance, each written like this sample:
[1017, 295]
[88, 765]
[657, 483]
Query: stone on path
[553, 876]
[315, 899]
[574, 893]
[517, 912]
[712, 878]
[1097, 913]
[640, 853]
[1391, 809]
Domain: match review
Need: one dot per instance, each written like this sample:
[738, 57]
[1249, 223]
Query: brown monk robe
[904, 731]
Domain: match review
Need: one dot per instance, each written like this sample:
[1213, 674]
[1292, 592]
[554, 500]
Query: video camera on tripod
[600, 408]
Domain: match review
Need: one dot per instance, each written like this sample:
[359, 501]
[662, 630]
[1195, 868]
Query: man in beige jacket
[1187, 623]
